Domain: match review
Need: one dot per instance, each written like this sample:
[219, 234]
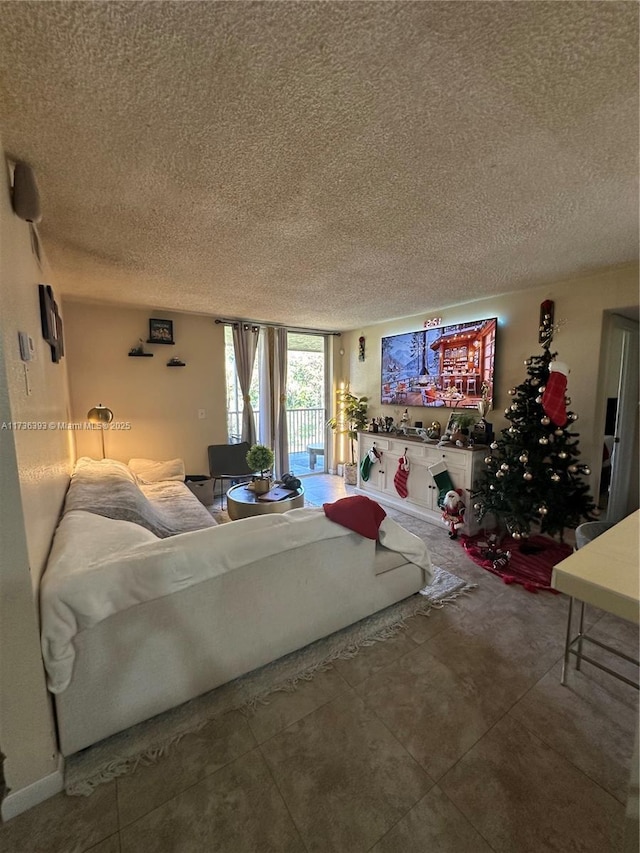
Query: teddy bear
[453, 511]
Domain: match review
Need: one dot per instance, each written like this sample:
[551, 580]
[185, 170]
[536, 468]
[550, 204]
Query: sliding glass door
[306, 404]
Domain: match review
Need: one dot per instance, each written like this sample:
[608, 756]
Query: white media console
[463, 464]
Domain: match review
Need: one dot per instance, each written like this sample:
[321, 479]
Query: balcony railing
[306, 427]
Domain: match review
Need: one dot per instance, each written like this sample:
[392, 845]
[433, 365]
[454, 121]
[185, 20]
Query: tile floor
[454, 737]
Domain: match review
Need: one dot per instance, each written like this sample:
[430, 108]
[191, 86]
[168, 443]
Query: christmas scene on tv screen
[449, 366]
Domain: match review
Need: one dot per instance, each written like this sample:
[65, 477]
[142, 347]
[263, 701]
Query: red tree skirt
[532, 570]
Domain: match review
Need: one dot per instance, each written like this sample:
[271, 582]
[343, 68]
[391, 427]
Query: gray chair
[228, 462]
[589, 531]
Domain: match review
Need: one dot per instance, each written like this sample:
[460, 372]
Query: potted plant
[351, 417]
[260, 458]
[461, 427]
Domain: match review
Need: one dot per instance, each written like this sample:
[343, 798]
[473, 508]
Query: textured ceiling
[324, 164]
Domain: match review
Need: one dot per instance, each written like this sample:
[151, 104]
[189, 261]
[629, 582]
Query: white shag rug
[148, 741]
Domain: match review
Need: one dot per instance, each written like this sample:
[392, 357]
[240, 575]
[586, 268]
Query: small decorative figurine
[453, 512]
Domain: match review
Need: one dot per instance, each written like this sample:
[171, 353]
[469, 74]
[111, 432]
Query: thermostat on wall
[27, 347]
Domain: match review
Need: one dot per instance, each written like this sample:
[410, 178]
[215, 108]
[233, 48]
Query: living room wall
[34, 472]
[160, 403]
[579, 305]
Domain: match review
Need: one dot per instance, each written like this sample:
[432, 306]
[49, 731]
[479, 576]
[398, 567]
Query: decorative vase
[261, 486]
[350, 473]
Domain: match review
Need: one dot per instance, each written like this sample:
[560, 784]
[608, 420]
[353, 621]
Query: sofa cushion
[387, 560]
[358, 513]
[149, 471]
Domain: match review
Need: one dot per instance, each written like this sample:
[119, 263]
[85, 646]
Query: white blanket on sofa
[99, 566]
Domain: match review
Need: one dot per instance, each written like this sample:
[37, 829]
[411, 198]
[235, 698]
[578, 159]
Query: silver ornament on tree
[523, 458]
[528, 475]
[543, 440]
[555, 477]
[545, 421]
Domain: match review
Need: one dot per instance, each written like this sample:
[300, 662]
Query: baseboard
[23, 799]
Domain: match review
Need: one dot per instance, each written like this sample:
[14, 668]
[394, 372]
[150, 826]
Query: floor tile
[285, 708]
[372, 658]
[436, 714]
[236, 810]
[585, 724]
[197, 755]
[434, 825]
[63, 824]
[522, 796]
[346, 780]
[499, 649]
[109, 845]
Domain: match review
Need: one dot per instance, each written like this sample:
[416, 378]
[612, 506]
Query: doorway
[306, 402]
[618, 492]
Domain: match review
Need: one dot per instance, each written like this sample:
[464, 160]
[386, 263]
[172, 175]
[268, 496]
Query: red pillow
[358, 513]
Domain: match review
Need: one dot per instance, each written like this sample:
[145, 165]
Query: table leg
[580, 635]
[567, 643]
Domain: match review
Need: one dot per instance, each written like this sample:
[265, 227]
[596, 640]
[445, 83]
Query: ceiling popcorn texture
[324, 164]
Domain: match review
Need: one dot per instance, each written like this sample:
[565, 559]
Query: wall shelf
[182, 364]
[140, 355]
[164, 343]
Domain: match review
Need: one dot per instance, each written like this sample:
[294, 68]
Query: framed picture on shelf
[160, 331]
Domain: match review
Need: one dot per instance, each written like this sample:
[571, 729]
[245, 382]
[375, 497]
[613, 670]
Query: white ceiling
[324, 164]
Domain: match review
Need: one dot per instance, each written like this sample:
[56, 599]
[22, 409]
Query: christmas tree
[533, 473]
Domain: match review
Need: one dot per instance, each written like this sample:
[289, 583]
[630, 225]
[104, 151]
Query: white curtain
[245, 343]
[265, 404]
[279, 397]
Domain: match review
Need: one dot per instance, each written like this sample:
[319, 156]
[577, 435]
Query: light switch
[202, 414]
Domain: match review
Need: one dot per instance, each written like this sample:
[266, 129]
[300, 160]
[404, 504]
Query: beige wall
[34, 473]
[580, 302]
[161, 403]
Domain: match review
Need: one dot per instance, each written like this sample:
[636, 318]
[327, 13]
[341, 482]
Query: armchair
[228, 462]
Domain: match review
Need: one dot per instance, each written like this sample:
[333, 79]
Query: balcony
[307, 428]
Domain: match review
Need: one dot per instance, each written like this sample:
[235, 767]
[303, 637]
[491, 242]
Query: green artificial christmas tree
[533, 473]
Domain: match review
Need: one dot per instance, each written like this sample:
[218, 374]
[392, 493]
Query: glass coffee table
[243, 502]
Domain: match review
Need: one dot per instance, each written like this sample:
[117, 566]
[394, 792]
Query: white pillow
[148, 471]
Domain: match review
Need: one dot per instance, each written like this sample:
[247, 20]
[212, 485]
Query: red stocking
[553, 397]
[401, 477]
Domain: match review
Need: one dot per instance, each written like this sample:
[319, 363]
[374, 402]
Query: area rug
[148, 741]
[530, 564]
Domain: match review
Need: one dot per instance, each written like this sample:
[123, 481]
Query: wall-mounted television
[445, 366]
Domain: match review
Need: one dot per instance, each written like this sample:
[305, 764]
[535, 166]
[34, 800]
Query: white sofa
[134, 623]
